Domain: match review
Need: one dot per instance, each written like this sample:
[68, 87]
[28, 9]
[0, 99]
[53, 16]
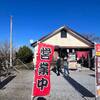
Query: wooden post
[11, 41]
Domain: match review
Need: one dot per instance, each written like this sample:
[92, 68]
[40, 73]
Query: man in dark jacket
[58, 64]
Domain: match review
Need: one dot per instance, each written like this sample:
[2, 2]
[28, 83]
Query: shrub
[25, 54]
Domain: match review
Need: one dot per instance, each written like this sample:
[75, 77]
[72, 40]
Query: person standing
[65, 64]
[58, 64]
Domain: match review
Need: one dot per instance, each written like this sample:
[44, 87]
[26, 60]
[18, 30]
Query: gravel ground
[19, 88]
[79, 85]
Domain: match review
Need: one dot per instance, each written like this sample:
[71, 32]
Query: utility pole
[10, 41]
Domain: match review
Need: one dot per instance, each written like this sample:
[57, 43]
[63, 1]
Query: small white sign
[98, 70]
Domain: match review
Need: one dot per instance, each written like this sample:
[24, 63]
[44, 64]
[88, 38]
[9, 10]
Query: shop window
[63, 33]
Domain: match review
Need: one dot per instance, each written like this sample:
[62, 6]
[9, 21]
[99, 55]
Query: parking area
[78, 85]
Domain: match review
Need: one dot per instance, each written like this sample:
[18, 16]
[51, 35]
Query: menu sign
[97, 69]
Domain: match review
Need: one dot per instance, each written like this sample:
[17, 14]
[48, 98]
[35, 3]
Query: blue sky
[33, 19]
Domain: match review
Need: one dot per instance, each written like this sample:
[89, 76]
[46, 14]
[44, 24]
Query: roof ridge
[60, 28]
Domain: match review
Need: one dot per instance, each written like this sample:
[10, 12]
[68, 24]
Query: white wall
[69, 41]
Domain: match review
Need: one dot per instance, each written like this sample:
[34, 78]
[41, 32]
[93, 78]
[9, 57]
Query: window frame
[63, 34]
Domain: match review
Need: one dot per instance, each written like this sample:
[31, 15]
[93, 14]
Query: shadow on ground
[6, 81]
[78, 87]
[93, 75]
[81, 89]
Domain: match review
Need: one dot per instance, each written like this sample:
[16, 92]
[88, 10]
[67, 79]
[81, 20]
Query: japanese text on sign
[42, 83]
[45, 52]
[43, 68]
[42, 72]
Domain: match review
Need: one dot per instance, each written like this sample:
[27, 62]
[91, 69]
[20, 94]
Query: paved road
[76, 86]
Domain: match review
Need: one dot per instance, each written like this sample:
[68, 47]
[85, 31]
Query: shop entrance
[75, 56]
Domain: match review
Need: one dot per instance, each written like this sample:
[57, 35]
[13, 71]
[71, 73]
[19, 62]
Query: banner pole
[95, 74]
[32, 97]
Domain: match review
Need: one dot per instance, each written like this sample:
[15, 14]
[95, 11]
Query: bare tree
[92, 37]
[4, 54]
[4, 50]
